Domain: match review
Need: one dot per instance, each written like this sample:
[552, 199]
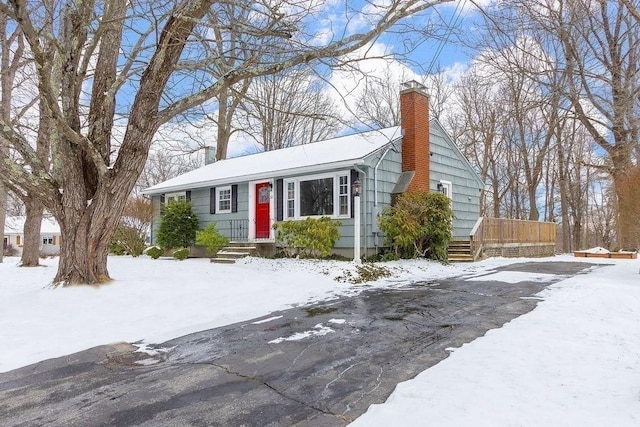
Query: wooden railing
[502, 231]
[476, 238]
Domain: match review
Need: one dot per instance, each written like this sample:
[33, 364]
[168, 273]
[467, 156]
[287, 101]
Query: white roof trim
[282, 173]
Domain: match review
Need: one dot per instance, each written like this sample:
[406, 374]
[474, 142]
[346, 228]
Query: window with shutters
[223, 199]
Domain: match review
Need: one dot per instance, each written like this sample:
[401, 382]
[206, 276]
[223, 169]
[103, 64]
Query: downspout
[364, 201]
[390, 147]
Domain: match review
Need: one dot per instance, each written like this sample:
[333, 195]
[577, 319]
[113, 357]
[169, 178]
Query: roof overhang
[285, 172]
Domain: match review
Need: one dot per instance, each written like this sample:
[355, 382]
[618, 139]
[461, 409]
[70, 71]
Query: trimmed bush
[178, 225]
[311, 238]
[154, 252]
[181, 254]
[211, 239]
[127, 240]
[419, 225]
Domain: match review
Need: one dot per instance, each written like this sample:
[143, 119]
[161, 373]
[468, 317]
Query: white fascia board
[256, 177]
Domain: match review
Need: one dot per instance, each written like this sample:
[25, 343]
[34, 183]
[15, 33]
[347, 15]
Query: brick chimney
[414, 112]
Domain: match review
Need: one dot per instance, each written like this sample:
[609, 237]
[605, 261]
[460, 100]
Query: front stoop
[233, 252]
[459, 251]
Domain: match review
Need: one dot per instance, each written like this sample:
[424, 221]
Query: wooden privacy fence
[512, 237]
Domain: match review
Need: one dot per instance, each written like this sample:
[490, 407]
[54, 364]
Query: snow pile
[597, 250]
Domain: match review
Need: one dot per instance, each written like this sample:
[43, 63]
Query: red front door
[262, 210]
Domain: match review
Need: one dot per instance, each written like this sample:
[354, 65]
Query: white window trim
[218, 200]
[449, 186]
[175, 196]
[286, 199]
[336, 196]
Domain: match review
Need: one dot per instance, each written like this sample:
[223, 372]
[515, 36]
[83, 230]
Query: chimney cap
[412, 84]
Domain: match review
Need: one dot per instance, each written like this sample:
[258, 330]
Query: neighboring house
[246, 195]
[49, 235]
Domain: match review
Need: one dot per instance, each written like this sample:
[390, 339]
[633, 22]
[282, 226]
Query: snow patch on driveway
[317, 330]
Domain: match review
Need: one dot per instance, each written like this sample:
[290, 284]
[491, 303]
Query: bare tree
[378, 104]
[15, 206]
[164, 164]
[600, 51]
[477, 122]
[12, 48]
[286, 109]
[88, 185]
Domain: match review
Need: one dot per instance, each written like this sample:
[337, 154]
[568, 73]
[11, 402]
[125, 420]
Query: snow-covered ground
[574, 360]
[156, 300]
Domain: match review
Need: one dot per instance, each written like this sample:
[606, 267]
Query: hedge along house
[246, 195]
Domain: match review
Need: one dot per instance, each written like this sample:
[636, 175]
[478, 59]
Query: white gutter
[347, 164]
[390, 147]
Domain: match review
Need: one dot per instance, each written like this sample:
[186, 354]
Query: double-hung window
[291, 199]
[343, 195]
[179, 196]
[223, 199]
[318, 195]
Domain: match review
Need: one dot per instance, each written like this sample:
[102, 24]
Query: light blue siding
[448, 164]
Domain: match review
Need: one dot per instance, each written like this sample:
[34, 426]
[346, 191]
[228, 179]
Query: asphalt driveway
[320, 365]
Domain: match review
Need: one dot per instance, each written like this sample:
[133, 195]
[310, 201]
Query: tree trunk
[628, 195]
[534, 213]
[3, 211]
[224, 132]
[32, 225]
[85, 244]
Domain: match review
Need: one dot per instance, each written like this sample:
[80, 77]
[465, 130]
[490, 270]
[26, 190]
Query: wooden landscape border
[615, 255]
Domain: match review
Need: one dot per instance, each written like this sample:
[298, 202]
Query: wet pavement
[319, 365]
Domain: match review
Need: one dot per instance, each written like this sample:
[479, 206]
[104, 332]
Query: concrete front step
[232, 252]
[240, 245]
[223, 260]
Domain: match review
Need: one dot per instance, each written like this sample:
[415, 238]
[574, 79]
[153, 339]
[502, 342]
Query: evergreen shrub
[310, 238]
[178, 225]
[419, 225]
[154, 252]
[211, 239]
[181, 254]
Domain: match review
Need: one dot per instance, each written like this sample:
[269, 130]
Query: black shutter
[234, 198]
[212, 200]
[279, 200]
[162, 204]
[188, 195]
[353, 178]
